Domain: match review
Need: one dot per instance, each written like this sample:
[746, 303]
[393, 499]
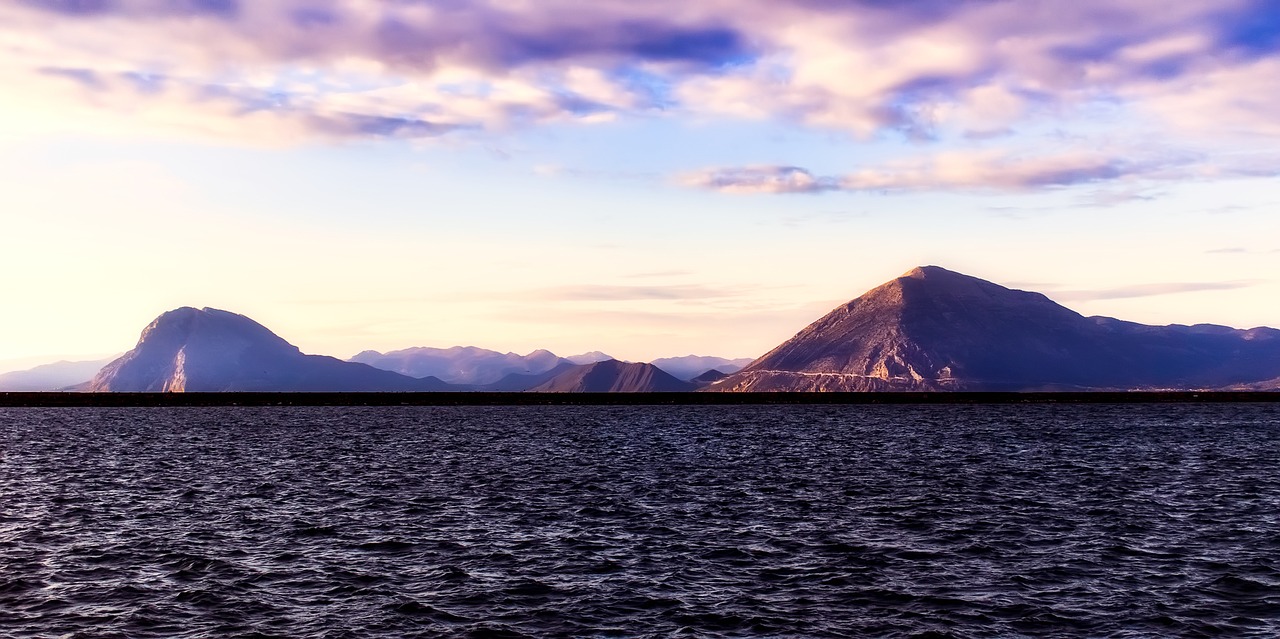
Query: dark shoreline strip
[54, 399]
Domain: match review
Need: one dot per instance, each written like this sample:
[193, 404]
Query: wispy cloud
[607, 293]
[1127, 174]
[659, 274]
[760, 179]
[1240, 250]
[977, 170]
[1149, 290]
[763, 315]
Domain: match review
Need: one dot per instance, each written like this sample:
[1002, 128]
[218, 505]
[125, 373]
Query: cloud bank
[964, 76]
[985, 170]
[948, 171]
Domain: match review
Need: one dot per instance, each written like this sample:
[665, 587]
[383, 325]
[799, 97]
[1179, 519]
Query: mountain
[691, 366]
[612, 376]
[51, 377]
[589, 358]
[1264, 385]
[517, 382]
[709, 377]
[190, 349]
[460, 364]
[934, 329]
[489, 370]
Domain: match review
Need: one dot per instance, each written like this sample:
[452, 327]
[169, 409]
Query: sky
[648, 179]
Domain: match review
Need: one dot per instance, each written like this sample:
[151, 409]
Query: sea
[989, 520]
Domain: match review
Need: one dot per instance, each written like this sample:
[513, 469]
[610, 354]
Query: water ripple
[814, 521]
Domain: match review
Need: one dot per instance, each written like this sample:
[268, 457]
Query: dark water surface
[806, 521]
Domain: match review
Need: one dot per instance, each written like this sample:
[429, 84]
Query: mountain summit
[934, 329]
[207, 349]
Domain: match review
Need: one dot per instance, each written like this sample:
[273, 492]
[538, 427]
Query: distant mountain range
[211, 350]
[937, 330]
[462, 364]
[469, 365]
[53, 376]
[929, 330]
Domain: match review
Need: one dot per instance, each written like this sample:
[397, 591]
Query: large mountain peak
[930, 271]
[935, 329]
[207, 349]
[191, 328]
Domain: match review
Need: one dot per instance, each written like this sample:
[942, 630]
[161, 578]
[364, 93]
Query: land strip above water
[56, 399]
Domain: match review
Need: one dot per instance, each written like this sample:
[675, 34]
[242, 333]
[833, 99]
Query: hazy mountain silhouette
[516, 382]
[51, 377]
[589, 358]
[460, 364]
[933, 329]
[190, 349]
[691, 366]
[613, 376]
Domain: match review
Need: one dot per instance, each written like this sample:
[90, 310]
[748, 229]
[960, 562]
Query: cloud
[972, 170]
[759, 179]
[340, 69]
[659, 274]
[1149, 290]
[606, 293]
[931, 71]
[985, 67]
[138, 8]
[1107, 197]
[992, 170]
[1129, 172]
[1240, 250]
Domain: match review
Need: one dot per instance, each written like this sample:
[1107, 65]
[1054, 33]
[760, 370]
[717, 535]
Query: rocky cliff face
[190, 349]
[612, 376]
[933, 329]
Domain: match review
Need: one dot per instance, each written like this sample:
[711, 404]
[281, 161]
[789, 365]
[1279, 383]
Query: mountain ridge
[466, 365]
[928, 330]
[613, 376]
[936, 330]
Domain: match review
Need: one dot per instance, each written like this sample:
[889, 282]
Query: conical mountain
[613, 376]
[709, 377]
[207, 349]
[934, 329]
